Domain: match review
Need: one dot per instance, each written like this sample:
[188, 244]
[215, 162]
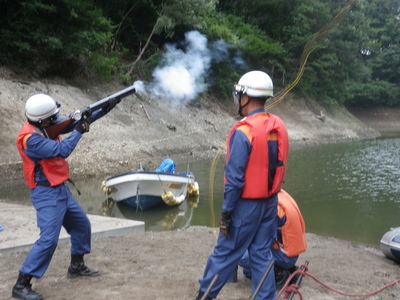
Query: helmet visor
[238, 90]
[236, 98]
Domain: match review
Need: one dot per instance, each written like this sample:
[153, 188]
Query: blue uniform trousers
[254, 229]
[56, 207]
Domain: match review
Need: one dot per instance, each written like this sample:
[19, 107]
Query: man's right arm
[235, 169]
[39, 147]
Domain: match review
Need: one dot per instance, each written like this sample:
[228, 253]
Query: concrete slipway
[18, 231]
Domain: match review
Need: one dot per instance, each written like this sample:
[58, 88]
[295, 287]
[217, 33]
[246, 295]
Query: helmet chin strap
[241, 107]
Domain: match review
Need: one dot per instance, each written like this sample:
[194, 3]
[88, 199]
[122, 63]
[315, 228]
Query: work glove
[82, 126]
[225, 223]
[111, 104]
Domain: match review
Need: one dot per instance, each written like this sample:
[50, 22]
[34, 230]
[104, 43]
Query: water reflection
[157, 219]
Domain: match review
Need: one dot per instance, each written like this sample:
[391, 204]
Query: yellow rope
[211, 184]
[11, 163]
[310, 46]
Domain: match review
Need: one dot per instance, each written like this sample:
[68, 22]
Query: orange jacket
[55, 169]
[294, 229]
[261, 128]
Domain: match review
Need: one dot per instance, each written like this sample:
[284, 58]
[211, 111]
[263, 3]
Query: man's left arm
[95, 115]
[93, 118]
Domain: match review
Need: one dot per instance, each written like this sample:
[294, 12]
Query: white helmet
[255, 84]
[41, 107]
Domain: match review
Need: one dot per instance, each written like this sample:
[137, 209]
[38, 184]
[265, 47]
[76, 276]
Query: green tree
[61, 33]
[172, 13]
[358, 53]
[380, 51]
[352, 54]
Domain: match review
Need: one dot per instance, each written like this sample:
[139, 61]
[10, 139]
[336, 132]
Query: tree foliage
[61, 32]
[355, 62]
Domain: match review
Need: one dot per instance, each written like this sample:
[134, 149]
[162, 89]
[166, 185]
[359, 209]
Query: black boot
[78, 268]
[281, 275]
[200, 295]
[22, 289]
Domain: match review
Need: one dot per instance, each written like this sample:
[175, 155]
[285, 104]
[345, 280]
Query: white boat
[144, 190]
[390, 244]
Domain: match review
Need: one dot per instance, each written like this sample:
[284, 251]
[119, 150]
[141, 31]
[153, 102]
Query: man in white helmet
[257, 152]
[46, 171]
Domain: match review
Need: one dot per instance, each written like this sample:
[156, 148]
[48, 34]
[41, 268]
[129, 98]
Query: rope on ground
[355, 295]
[293, 288]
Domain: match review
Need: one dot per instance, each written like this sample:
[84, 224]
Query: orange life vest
[294, 229]
[262, 126]
[55, 169]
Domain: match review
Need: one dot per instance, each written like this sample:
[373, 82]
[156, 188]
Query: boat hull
[143, 202]
[390, 244]
[144, 190]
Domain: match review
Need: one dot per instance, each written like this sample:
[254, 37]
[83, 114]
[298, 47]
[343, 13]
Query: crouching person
[290, 242]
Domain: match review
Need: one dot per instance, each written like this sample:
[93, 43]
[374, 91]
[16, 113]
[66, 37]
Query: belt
[46, 183]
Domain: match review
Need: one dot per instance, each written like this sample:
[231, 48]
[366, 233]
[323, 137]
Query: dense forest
[337, 51]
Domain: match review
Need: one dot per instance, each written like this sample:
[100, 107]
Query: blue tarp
[167, 166]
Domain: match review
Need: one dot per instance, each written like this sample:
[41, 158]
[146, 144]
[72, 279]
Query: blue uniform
[253, 228]
[280, 259]
[55, 206]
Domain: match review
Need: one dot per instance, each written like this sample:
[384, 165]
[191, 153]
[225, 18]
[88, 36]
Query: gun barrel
[59, 128]
[119, 95]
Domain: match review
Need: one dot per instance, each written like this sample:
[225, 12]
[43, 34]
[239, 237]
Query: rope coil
[294, 288]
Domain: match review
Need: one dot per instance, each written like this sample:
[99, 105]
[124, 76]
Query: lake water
[349, 191]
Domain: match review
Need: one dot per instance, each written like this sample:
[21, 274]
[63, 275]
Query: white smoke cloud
[183, 72]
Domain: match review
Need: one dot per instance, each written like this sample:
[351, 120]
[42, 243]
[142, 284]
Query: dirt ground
[167, 265]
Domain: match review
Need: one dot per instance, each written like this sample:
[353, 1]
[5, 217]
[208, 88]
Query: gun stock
[55, 130]
[60, 127]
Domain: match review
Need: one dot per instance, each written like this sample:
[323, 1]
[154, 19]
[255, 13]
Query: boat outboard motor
[390, 244]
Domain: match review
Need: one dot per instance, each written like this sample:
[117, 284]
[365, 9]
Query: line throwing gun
[85, 112]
